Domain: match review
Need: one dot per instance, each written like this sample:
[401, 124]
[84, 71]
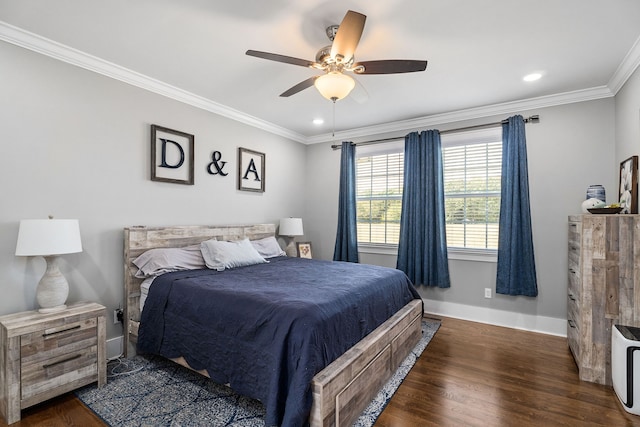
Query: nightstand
[45, 355]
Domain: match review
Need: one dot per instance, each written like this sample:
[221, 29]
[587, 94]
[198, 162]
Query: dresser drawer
[574, 284]
[573, 318]
[58, 355]
[575, 233]
[573, 339]
[574, 250]
[573, 310]
[574, 273]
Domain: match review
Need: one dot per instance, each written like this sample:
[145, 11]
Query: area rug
[152, 391]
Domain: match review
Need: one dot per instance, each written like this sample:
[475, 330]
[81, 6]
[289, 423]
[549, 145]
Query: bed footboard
[342, 390]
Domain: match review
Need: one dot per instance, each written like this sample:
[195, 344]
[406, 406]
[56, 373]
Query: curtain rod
[530, 119]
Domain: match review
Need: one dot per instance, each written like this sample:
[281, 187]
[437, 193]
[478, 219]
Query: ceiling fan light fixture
[334, 85]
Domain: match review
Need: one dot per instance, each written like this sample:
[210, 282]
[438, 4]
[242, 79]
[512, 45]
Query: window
[472, 173]
[379, 177]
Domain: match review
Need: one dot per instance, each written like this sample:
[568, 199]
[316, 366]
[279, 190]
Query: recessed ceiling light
[318, 121]
[532, 77]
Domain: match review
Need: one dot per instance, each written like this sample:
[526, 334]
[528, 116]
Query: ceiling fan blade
[299, 87]
[390, 66]
[348, 36]
[280, 58]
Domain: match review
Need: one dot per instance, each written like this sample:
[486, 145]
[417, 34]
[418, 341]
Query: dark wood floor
[471, 374]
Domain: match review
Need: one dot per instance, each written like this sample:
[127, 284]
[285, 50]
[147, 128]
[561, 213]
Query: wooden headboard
[139, 239]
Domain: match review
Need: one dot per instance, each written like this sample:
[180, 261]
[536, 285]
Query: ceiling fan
[338, 58]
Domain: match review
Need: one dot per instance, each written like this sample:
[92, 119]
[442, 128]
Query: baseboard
[114, 347]
[509, 319]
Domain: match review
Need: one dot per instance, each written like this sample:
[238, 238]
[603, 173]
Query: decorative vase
[596, 191]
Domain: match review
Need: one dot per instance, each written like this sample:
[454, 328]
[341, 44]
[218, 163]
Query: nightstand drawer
[41, 377]
[47, 343]
[58, 355]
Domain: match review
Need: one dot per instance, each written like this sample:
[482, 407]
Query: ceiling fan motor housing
[324, 55]
[331, 31]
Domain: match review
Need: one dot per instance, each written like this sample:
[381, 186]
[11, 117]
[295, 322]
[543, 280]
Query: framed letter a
[251, 166]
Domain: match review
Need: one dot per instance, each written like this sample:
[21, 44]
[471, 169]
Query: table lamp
[290, 227]
[49, 238]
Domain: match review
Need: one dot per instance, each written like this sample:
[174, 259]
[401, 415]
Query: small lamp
[49, 238]
[291, 227]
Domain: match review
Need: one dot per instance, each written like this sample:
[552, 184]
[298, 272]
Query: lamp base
[291, 249]
[53, 288]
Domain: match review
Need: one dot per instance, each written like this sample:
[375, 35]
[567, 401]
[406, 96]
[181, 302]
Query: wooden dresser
[603, 289]
[45, 355]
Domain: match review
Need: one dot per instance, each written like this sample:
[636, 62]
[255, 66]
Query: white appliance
[625, 366]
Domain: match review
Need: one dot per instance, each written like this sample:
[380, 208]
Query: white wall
[571, 148]
[77, 144]
[628, 119]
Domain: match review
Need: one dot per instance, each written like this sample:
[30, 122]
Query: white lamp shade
[334, 85]
[41, 237]
[291, 227]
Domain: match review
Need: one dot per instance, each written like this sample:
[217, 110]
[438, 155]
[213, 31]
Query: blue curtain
[422, 250]
[346, 248]
[516, 263]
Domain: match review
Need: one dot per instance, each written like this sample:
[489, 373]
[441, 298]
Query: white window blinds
[472, 173]
[379, 178]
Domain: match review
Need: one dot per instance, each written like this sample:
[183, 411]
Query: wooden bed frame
[343, 389]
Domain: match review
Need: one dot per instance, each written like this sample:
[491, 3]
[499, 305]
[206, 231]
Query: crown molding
[626, 68]
[510, 108]
[61, 52]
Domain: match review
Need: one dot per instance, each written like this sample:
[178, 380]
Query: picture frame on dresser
[172, 155]
[628, 185]
[304, 250]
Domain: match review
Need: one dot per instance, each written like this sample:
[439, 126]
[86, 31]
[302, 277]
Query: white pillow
[164, 260]
[268, 247]
[221, 255]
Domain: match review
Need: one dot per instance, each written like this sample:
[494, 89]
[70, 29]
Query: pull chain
[333, 128]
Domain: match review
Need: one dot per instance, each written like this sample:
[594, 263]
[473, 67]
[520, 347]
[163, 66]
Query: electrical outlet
[487, 292]
[117, 316]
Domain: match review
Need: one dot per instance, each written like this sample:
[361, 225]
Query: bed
[338, 392]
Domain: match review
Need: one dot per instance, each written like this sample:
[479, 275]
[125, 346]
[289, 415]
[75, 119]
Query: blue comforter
[267, 329]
